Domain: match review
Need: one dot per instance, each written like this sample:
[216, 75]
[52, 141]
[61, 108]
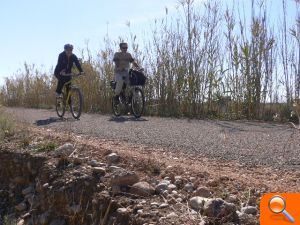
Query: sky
[35, 31]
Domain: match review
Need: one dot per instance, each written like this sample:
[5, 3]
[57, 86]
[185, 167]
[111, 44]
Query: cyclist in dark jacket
[66, 59]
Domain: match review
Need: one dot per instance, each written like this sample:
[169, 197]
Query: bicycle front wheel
[60, 106]
[116, 107]
[138, 102]
[76, 102]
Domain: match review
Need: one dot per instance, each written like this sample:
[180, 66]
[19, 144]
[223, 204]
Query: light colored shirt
[122, 61]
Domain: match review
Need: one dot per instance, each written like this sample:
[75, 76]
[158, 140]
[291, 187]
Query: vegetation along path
[250, 143]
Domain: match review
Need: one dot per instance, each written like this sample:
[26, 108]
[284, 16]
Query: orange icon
[281, 208]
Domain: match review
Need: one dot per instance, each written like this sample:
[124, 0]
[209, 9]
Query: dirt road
[251, 143]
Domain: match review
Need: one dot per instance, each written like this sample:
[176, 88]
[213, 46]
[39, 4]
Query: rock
[113, 158]
[124, 178]
[64, 150]
[21, 207]
[178, 181]
[197, 203]
[122, 210]
[172, 215]
[46, 185]
[154, 204]
[114, 168]
[78, 161]
[171, 187]
[189, 187]
[28, 190]
[143, 189]
[249, 210]
[99, 171]
[220, 209]
[21, 222]
[232, 199]
[95, 163]
[203, 192]
[247, 219]
[213, 183]
[163, 205]
[161, 187]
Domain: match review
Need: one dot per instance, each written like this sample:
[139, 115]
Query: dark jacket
[65, 64]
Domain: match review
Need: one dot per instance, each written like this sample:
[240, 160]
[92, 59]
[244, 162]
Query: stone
[95, 163]
[99, 171]
[189, 187]
[122, 210]
[114, 168]
[64, 150]
[21, 207]
[232, 199]
[172, 187]
[203, 192]
[197, 203]
[247, 219]
[163, 205]
[154, 204]
[161, 187]
[28, 190]
[143, 189]
[249, 210]
[21, 222]
[113, 158]
[172, 215]
[220, 209]
[124, 178]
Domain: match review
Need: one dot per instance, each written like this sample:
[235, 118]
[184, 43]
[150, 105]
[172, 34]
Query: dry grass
[207, 61]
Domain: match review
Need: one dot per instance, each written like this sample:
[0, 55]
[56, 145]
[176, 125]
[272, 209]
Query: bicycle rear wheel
[76, 102]
[60, 106]
[138, 102]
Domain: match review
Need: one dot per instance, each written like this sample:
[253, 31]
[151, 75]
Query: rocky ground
[57, 178]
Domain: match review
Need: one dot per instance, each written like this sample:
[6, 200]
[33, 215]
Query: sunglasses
[124, 48]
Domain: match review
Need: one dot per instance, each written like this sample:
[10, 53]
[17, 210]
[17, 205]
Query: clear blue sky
[35, 30]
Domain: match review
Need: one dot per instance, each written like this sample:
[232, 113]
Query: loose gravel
[249, 143]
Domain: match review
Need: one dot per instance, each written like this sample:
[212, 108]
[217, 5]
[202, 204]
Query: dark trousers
[61, 81]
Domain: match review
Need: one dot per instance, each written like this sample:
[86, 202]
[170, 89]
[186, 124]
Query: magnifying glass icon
[277, 205]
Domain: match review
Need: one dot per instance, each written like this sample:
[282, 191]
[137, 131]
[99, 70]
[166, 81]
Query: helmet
[68, 47]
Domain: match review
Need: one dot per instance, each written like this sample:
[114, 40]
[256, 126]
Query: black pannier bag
[137, 78]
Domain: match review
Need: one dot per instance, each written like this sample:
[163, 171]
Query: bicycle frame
[73, 77]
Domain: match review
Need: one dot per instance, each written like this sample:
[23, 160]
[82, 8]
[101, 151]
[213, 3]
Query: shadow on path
[52, 120]
[123, 119]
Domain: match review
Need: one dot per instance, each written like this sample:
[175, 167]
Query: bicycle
[71, 96]
[134, 98]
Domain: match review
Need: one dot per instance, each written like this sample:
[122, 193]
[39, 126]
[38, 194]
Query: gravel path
[247, 142]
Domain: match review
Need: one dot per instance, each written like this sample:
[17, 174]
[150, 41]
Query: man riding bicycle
[64, 66]
[122, 61]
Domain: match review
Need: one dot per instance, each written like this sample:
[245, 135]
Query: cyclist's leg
[60, 85]
[119, 85]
